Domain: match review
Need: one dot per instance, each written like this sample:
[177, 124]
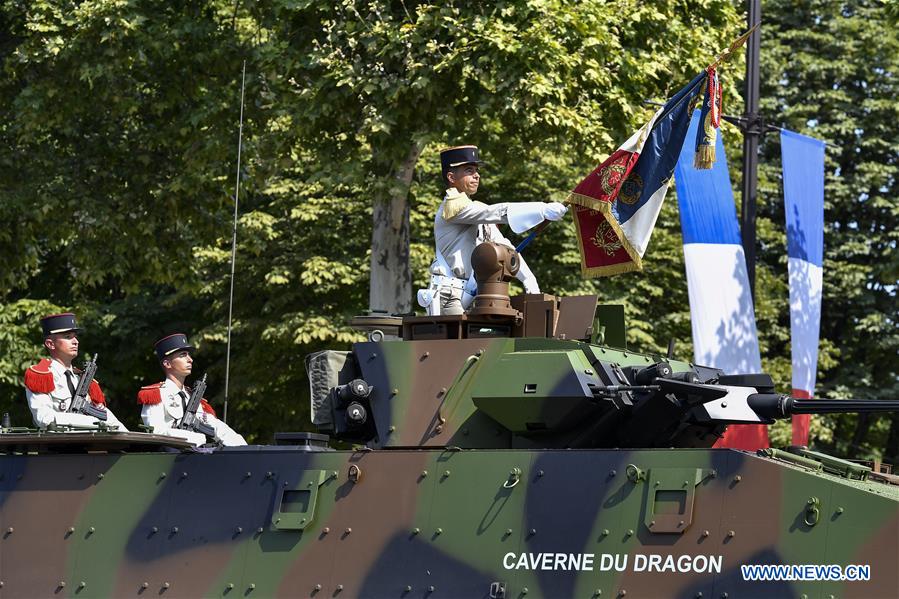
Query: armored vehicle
[517, 450]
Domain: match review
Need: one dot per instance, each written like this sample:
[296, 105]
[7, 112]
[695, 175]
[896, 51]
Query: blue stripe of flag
[705, 197]
[655, 166]
[803, 173]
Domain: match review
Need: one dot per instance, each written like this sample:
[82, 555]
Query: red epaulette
[151, 394]
[96, 393]
[206, 407]
[38, 378]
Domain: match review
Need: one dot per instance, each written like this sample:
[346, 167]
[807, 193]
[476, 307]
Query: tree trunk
[391, 279]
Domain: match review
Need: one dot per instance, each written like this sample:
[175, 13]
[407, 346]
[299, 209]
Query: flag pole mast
[752, 131]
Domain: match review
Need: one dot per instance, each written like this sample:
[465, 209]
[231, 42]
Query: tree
[829, 71]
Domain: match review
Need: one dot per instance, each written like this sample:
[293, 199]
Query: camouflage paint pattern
[444, 503]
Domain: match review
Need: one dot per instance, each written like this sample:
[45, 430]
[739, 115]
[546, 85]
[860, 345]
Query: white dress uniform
[458, 229]
[163, 408]
[49, 396]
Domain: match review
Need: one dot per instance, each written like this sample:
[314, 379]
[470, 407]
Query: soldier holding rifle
[53, 386]
[172, 408]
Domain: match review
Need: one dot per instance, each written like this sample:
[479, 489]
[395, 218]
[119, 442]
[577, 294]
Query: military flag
[616, 206]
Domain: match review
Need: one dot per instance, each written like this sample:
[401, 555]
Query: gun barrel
[770, 405]
[839, 406]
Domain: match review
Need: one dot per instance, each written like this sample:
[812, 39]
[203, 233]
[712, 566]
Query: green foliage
[121, 120]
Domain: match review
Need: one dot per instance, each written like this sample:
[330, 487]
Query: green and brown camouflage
[521, 452]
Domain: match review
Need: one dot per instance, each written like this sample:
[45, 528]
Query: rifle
[81, 402]
[190, 421]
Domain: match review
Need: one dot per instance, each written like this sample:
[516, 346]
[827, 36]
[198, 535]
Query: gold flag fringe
[611, 269]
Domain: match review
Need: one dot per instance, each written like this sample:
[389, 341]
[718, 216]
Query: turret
[534, 371]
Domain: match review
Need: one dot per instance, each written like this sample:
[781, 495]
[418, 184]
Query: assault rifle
[81, 401]
[190, 422]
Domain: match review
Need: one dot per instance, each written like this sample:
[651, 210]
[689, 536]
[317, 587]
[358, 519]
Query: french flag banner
[803, 179]
[721, 309]
[615, 208]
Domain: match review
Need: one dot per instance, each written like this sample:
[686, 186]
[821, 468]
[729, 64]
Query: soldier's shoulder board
[151, 394]
[38, 377]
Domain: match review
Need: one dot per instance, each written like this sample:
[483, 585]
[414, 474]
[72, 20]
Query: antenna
[243, 80]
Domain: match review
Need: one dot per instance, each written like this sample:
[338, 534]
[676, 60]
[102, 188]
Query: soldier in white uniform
[462, 223]
[164, 403]
[51, 383]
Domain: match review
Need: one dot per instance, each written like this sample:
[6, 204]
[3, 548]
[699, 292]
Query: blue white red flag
[721, 310]
[616, 206]
[803, 176]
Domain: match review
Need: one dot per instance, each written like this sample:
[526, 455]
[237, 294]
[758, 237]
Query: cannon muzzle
[771, 405]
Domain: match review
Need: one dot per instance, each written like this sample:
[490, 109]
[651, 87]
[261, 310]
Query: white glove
[530, 285]
[554, 210]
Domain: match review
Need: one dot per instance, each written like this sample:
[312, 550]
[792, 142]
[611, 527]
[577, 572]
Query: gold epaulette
[454, 203]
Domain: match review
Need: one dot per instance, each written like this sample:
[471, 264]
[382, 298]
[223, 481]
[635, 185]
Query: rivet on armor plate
[100, 475]
[10, 530]
[238, 530]
[424, 473]
[532, 532]
[613, 473]
[162, 475]
[259, 530]
[738, 478]
[705, 533]
[588, 371]
[174, 530]
[446, 473]
[348, 530]
[71, 529]
[391, 429]
[395, 391]
[230, 585]
[82, 584]
[426, 354]
[415, 531]
[145, 585]
[681, 523]
[840, 510]
[698, 595]
[439, 531]
[652, 523]
[184, 475]
[166, 585]
[432, 588]
[540, 473]
[248, 474]
[154, 530]
[318, 587]
[285, 483]
[326, 530]
[803, 596]
[605, 532]
[408, 588]
[252, 586]
[91, 530]
[731, 534]
[723, 595]
[630, 532]
[268, 475]
[62, 583]
[524, 591]
[508, 531]
[354, 474]
[622, 592]
[339, 587]
[597, 592]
